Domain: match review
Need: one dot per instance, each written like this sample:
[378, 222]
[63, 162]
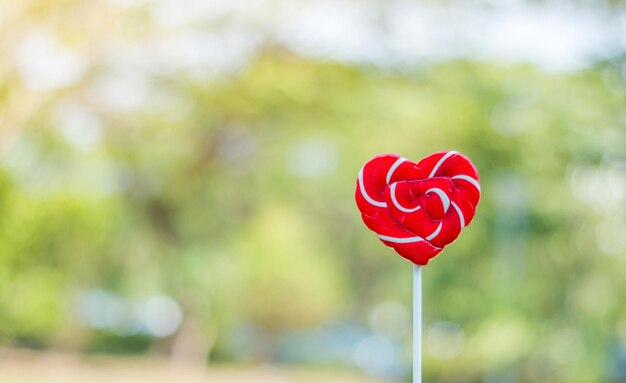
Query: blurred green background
[177, 180]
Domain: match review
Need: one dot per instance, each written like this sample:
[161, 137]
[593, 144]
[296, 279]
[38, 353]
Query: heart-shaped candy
[420, 208]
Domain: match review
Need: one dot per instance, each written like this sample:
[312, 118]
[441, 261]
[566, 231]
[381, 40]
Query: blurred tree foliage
[234, 195]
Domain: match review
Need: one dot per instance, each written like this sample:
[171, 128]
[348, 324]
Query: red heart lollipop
[420, 208]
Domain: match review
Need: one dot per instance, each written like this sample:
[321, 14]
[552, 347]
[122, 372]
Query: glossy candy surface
[418, 209]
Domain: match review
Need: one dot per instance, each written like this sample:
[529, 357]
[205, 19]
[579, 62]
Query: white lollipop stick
[417, 324]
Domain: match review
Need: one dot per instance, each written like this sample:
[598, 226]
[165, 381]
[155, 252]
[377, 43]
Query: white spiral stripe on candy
[394, 167]
[441, 161]
[460, 213]
[365, 195]
[396, 204]
[445, 200]
[468, 179]
[435, 233]
[400, 240]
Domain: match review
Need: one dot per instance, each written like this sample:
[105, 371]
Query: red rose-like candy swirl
[420, 208]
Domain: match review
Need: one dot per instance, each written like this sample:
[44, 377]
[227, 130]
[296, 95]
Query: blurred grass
[19, 366]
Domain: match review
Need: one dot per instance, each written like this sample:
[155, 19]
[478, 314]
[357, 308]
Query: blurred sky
[556, 36]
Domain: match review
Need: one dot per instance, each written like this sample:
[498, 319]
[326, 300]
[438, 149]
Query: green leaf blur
[233, 195]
